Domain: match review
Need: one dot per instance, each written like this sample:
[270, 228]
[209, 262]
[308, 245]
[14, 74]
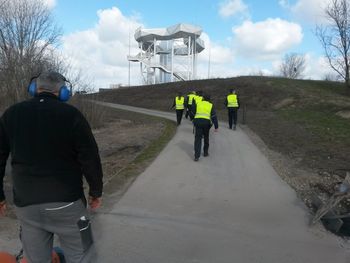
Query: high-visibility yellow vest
[203, 110]
[179, 102]
[190, 98]
[198, 99]
[232, 101]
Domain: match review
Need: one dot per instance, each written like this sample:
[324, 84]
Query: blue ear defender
[32, 88]
[63, 95]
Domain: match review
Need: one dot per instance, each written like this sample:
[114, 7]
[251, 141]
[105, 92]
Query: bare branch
[27, 31]
[335, 37]
[293, 66]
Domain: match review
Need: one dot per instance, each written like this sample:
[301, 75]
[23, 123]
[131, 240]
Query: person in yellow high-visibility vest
[199, 96]
[232, 104]
[204, 118]
[179, 104]
[188, 104]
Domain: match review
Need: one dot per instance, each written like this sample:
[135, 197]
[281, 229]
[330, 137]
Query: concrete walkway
[230, 207]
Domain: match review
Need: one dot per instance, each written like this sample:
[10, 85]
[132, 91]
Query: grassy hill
[300, 118]
[303, 120]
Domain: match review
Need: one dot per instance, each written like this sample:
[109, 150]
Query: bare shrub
[27, 32]
[95, 114]
[335, 38]
[293, 66]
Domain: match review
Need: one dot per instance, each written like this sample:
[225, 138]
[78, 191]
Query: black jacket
[52, 148]
[203, 122]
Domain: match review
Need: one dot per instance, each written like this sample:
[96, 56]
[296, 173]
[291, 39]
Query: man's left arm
[225, 102]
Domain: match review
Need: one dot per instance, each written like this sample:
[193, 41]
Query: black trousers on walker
[202, 131]
[179, 114]
[232, 116]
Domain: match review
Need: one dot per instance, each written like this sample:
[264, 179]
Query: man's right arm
[194, 108]
[186, 101]
[214, 118]
[4, 153]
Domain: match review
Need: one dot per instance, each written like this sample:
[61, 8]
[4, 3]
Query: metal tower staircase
[168, 54]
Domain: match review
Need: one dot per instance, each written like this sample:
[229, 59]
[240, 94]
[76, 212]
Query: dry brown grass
[95, 114]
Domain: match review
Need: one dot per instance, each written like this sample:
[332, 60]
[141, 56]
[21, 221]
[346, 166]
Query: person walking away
[205, 117]
[52, 148]
[188, 104]
[196, 99]
[179, 104]
[232, 104]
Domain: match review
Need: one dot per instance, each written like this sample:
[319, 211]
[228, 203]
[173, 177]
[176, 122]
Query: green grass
[315, 87]
[324, 124]
[152, 151]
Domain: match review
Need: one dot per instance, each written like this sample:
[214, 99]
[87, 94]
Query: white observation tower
[168, 54]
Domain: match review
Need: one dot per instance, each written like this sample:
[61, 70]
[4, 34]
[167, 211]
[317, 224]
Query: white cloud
[307, 10]
[50, 3]
[266, 39]
[233, 7]
[219, 54]
[113, 26]
[102, 51]
[317, 67]
[221, 60]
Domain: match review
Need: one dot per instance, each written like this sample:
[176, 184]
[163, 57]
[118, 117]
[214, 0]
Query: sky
[244, 37]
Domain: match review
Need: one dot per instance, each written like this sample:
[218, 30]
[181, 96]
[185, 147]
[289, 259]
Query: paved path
[230, 207]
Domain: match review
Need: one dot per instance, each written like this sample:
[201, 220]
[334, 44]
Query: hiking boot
[206, 154]
[196, 159]
[234, 127]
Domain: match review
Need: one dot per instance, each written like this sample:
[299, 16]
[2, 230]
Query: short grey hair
[50, 81]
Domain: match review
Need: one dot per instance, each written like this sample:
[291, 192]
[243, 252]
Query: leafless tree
[27, 33]
[335, 37]
[292, 66]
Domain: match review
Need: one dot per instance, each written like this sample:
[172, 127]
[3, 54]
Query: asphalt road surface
[230, 207]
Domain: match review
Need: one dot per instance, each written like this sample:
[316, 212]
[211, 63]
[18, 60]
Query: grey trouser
[69, 221]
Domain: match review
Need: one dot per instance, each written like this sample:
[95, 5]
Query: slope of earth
[304, 124]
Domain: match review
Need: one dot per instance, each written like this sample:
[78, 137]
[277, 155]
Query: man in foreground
[52, 148]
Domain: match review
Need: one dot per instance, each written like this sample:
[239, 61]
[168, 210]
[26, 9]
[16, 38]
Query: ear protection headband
[63, 94]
